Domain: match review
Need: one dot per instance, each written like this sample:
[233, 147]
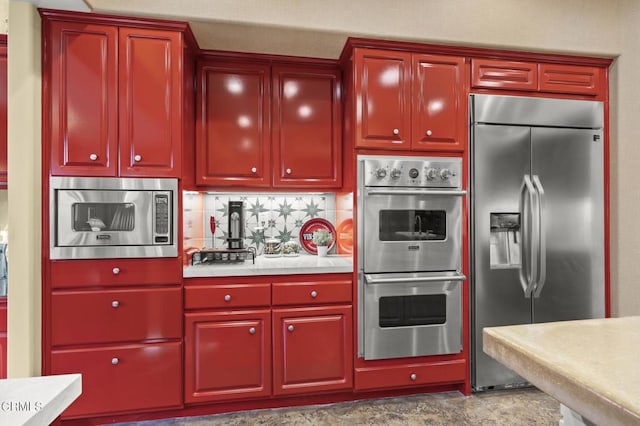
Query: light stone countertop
[37, 400]
[591, 366]
[303, 264]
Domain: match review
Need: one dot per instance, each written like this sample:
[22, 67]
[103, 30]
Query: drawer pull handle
[314, 294]
[429, 132]
[115, 304]
[115, 271]
[288, 171]
[137, 158]
[252, 330]
[115, 361]
[227, 297]
[254, 169]
[413, 376]
[93, 157]
[290, 328]
[396, 131]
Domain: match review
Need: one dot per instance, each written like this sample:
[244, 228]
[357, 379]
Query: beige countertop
[303, 264]
[591, 366]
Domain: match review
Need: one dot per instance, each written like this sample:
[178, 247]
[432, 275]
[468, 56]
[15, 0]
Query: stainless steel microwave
[93, 218]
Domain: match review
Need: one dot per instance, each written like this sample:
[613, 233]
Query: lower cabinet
[294, 339]
[123, 378]
[227, 355]
[418, 374]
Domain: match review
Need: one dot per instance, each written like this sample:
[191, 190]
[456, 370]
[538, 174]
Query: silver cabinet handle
[288, 171]
[93, 157]
[115, 304]
[413, 376]
[227, 297]
[376, 279]
[429, 132]
[418, 192]
[115, 270]
[290, 328]
[542, 240]
[396, 131]
[137, 157]
[254, 169]
[252, 330]
[314, 294]
[115, 361]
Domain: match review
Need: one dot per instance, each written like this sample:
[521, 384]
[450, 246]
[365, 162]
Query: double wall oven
[409, 256]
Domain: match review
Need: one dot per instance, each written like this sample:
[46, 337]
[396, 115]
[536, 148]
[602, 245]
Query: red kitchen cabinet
[500, 74]
[439, 116]
[123, 378]
[228, 355]
[433, 373]
[232, 134]
[3, 112]
[3, 337]
[409, 101]
[115, 97]
[572, 79]
[312, 349]
[306, 127]
[383, 99]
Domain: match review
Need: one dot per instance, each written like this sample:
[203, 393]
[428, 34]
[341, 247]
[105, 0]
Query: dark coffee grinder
[235, 237]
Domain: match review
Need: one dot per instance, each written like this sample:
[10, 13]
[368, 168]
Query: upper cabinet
[267, 125]
[115, 98]
[408, 101]
[3, 111]
[537, 77]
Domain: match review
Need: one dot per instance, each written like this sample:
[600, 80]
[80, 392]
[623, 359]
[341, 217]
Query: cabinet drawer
[411, 375]
[493, 74]
[570, 79]
[115, 272]
[227, 296]
[311, 293]
[79, 317]
[123, 378]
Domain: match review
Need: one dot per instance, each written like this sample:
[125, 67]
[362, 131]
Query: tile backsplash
[281, 214]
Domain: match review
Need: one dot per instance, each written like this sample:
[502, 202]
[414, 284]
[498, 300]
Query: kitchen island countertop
[303, 264]
[590, 366]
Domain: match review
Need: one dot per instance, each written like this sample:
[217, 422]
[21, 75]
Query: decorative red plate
[306, 234]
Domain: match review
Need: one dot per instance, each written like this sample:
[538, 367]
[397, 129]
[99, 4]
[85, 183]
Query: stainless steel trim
[541, 246]
[526, 265]
[414, 278]
[415, 192]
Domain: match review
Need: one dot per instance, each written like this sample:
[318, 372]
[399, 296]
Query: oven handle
[370, 280]
[458, 192]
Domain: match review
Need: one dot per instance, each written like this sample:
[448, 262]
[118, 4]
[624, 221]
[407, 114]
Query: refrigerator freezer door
[570, 167]
[501, 160]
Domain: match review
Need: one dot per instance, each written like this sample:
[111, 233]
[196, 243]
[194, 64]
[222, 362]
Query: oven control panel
[411, 172]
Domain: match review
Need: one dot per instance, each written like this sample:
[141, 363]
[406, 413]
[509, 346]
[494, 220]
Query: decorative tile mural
[266, 215]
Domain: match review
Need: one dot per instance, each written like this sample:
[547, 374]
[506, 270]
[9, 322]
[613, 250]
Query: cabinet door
[573, 79]
[307, 129]
[383, 99]
[150, 102]
[232, 134]
[84, 99]
[497, 74]
[438, 114]
[123, 378]
[227, 355]
[312, 350]
[3, 114]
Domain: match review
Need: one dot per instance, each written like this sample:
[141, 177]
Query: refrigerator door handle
[527, 192]
[541, 243]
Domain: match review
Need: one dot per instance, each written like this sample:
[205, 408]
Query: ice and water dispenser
[504, 241]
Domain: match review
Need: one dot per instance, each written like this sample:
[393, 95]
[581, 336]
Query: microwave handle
[456, 192]
[371, 280]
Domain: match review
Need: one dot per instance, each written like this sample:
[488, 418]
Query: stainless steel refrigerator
[537, 218]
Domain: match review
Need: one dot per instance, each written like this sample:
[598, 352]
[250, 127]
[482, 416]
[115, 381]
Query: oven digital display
[412, 225]
[404, 311]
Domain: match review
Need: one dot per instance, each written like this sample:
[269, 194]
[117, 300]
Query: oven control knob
[445, 174]
[413, 173]
[431, 174]
[395, 173]
[381, 173]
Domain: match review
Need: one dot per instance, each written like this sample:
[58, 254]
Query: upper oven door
[412, 230]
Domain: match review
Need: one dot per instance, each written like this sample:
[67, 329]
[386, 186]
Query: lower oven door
[407, 315]
[411, 230]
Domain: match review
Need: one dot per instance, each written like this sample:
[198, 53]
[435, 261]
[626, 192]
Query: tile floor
[515, 407]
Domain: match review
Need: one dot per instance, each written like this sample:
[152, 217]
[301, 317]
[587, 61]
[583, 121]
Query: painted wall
[579, 26]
